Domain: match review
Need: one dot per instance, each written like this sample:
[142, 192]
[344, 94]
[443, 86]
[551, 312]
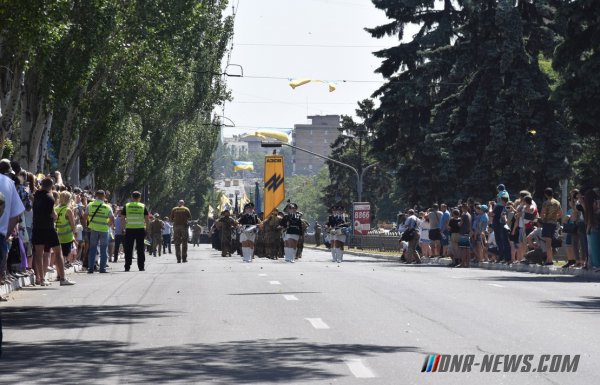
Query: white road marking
[358, 368]
[262, 275]
[317, 323]
[275, 282]
[495, 284]
[290, 297]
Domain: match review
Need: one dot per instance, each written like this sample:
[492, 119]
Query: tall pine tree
[577, 59]
[415, 84]
[471, 109]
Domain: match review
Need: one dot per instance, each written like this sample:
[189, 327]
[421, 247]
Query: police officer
[99, 216]
[336, 225]
[248, 220]
[134, 220]
[292, 225]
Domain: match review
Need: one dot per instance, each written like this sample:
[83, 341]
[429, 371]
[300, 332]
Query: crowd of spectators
[44, 208]
[507, 231]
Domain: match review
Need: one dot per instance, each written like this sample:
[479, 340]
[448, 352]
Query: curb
[29, 279]
[534, 269]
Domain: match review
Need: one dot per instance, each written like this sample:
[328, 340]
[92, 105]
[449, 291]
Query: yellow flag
[224, 203]
[274, 192]
[243, 200]
[294, 83]
[279, 135]
[211, 212]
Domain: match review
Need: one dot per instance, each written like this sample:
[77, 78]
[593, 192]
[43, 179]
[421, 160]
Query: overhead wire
[310, 45]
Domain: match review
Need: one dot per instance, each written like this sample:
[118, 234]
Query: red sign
[362, 218]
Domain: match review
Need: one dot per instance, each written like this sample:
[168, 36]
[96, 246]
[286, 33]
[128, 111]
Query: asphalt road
[218, 320]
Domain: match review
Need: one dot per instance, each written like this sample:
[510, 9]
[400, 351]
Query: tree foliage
[124, 89]
[577, 59]
[354, 147]
[309, 194]
[467, 103]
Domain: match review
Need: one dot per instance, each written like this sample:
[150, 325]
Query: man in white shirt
[166, 235]
[11, 208]
[413, 223]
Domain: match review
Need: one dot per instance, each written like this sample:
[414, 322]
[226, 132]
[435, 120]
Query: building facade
[316, 137]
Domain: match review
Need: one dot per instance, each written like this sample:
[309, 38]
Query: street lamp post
[359, 174]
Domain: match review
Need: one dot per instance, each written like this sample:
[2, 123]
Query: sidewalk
[534, 269]
[28, 280]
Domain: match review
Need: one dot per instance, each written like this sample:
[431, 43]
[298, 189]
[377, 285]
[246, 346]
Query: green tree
[354, 147]
[309, 194]
[130, 85]
[577, 59]
[470, 106]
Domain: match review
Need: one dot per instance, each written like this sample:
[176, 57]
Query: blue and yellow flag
[239, 165]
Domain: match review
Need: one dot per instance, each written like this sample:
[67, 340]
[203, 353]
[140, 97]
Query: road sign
[362, 217]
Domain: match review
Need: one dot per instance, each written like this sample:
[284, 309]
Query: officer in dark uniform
[337, 223]
[292, 225]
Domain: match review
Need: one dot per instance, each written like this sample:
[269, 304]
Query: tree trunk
[10, 94]
[44, 133]
[36, 119]
[69, 137]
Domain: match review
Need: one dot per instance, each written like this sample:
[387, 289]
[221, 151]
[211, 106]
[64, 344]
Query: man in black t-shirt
[44, 235]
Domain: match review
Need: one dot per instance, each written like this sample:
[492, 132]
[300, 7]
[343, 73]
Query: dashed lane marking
[275, 282]
[262, 275]
[358, 368]
[495, 285]
[290, 297]
[317, 323]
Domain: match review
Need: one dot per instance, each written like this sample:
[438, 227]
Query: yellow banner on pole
[274, 191]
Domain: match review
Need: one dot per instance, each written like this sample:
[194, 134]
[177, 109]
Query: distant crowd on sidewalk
[507, 231]
[48, 226]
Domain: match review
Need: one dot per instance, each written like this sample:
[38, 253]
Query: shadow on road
[72, 317]
[536, 278]
[587, 304]
[235, 362]
[278, 293]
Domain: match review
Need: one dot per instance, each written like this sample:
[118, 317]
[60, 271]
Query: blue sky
[318, 39]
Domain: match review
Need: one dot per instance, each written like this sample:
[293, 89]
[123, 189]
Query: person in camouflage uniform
[226, 226]
[301, 239]
[272, 236]
[259, 245]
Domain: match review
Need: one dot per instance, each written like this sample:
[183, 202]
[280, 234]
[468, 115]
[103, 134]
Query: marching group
[506, 231]
[279, 234]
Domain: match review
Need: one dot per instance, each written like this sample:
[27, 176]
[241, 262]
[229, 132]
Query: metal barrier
[373, 241]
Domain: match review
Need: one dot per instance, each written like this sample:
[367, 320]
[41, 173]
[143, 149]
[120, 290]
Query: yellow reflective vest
[134, 215]
[98, 216]
[63, 227]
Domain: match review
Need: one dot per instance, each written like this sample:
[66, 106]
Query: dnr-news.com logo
[497, 363]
